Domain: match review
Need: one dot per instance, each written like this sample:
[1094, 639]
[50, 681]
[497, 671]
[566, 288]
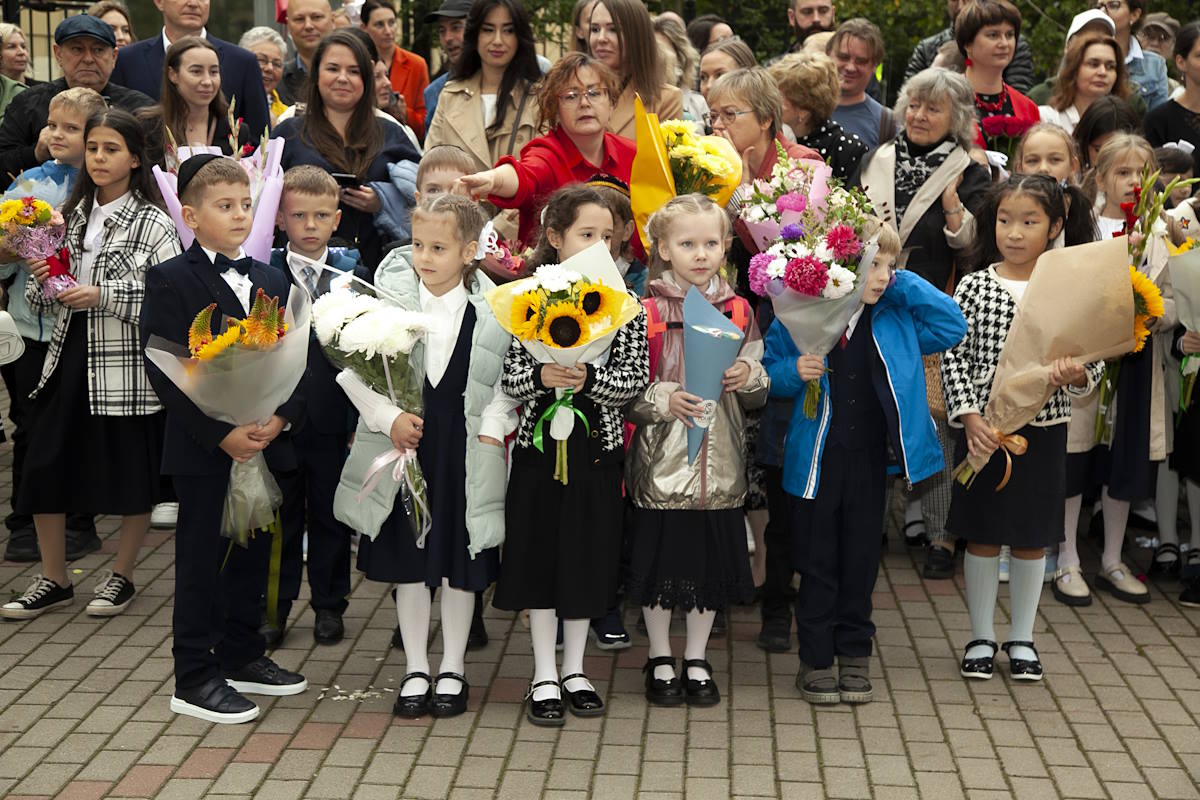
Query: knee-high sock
[458, 607]
[1193, 499]
[699, 626]
[412, 611]
[983, 582]
[1166, 504]
[543, 630]
[1025, 590]
[574, 642]
[913, 513]
[1068, 551]
[658, 630]
[1116, 516]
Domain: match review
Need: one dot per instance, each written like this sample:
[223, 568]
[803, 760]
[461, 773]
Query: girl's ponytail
[1079, 224]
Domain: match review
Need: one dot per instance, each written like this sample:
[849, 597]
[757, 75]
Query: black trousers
[308, 503]
[20, 378]
[777, 593]
[837, 548]
[216, 607]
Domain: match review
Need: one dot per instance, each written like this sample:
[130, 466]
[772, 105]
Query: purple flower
[792, 232]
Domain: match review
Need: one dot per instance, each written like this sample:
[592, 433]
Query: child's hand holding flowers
[1066, 372]
[406, 431]
[684, 405]
[810, 367]
[1190, 343]
[981, 439]
[736, 376]
[79, 297]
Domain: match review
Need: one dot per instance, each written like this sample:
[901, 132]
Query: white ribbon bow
[1183, 144]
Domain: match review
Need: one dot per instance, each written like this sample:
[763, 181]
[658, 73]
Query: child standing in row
[1020, 220]
[687, 524]
[835, 466]
[97, 430]
[459, 444]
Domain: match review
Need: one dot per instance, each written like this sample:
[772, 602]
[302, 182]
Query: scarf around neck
[914, 166]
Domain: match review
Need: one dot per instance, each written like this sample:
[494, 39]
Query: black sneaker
[41, 596]
[940, 563]
[1190, 596]
[608, 632]
[22, 547]
[113, 593]
[81, 543]
[215, 701]
[264, 676]
[776, 635]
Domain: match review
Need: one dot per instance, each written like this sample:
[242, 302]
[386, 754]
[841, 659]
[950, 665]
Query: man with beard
[451, 21]
[806, 17]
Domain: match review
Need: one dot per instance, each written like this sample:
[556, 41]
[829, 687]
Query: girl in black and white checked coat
[96, 437]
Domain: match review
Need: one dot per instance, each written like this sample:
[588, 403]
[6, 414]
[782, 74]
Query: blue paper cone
[710, 345]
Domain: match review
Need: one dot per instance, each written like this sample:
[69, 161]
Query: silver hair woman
[271, 51]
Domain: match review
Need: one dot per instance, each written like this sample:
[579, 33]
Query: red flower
[993, 126]
[806, 275]
[1130, 217]
[247, 149]
[842, 242]
[1015, 128]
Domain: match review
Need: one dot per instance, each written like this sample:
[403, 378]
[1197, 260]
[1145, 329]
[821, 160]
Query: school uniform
[217, 587]
[321, 441]
[96, 435]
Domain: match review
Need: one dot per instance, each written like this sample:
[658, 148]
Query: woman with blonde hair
[673, 39]
[621, 36]
[808, 83]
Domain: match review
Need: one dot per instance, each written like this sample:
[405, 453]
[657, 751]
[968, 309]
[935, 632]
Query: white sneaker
[164, 515]
[1005, 556]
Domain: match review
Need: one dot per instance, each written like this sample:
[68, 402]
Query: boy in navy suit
[219, 654]
[308, 213]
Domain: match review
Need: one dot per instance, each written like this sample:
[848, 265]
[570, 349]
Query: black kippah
[188, 170]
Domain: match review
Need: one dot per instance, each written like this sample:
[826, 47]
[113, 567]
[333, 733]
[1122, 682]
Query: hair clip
[488, 243]
[1063, 184]
[1183, 144]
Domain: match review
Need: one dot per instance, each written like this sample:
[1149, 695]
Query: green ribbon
[275, 529]
[562, 402]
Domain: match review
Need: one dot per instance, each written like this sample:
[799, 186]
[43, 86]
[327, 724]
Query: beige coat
[1081, 434]
[670, 106]
[459, 121]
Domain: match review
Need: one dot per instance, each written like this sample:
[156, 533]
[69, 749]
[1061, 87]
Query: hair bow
[489, 242]
[1183, 144]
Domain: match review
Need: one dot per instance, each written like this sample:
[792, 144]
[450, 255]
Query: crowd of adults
[338, 90]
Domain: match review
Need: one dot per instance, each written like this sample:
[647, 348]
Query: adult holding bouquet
[575, 101]
[341, 133]
[97, 433]
[986, 32]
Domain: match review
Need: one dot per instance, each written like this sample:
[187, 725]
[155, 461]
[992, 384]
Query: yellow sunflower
[1147, 305]
[220, 344]
[1187, 245]
[597, 302]
[526, 310]
[565, 326]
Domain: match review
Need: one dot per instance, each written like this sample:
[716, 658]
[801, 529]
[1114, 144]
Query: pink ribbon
[399, 459]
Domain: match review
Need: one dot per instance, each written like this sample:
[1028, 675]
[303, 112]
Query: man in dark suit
[85, 49]
[140, 65]
[307, 21]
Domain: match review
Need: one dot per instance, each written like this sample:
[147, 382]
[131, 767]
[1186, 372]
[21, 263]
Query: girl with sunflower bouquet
[578, 357]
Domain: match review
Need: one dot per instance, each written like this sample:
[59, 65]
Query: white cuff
[376, 411]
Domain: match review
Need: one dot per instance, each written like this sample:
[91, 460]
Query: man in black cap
[451, 19]
[86, 50]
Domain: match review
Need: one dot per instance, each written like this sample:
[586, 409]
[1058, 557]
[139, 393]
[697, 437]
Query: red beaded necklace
[992, 108]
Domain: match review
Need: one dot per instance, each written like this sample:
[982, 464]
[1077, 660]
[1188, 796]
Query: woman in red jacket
[986, 32]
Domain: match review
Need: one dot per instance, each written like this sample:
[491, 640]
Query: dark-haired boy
[219, 654]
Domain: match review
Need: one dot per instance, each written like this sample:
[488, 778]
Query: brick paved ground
[83, 710]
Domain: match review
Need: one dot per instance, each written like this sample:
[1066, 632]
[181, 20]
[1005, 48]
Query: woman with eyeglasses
[621, 36]
[575, 102]
[1147, 70]
[270, 50]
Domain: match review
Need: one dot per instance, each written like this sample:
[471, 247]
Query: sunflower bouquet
[241, 375]
[33, 229]
[1184, 264]
[565, 314]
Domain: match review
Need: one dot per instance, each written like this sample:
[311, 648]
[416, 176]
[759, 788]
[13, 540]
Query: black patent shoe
[980, 668]
[940, 563]
[660, 692]
[450, 705]
[417, 705]
[583, 703]
[328, 627]
[700, 693]
[1023, 669]
[546, 713]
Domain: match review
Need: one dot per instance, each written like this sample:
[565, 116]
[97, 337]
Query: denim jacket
[1147, 71]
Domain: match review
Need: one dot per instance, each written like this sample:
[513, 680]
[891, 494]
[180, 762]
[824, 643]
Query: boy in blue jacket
[835, 466]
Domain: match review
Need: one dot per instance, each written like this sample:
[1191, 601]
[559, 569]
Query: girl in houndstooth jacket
[1020, 220]
[95, 442]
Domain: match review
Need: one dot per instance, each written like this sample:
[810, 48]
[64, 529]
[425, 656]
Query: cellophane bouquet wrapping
[241, 376]
[1077, 305]
[373, 337]
[767, 206]
[1184, 267]
[565, 314]
[33, 229]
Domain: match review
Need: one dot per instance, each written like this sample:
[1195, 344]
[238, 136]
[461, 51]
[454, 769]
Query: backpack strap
[738, 311]
[655, 328]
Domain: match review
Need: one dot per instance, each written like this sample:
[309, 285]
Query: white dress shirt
[448, 311]
[296, 265]
[167, 42]
[239, 283]
[93, 236]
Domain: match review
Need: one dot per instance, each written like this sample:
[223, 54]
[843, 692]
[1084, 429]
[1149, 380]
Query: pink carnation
[759, 279]
[793, 201]
[842, 242]
[806, 275]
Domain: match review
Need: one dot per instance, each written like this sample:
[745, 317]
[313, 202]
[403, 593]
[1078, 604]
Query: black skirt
[1124, 467]
[1029, 511]
[689, 559]
[80, 462]
[562, 543]
[1185, 459]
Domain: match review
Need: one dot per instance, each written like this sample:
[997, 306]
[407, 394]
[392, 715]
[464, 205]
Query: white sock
[1193, 499]
[1068, 551]
[1024, 590]
[543, 630]
[575, 633]
[1166, 504]
[412, 612]
[1116, 517]
[982, 576]
[912, 513]
[658, 630]
[458, 607]
[699, 626]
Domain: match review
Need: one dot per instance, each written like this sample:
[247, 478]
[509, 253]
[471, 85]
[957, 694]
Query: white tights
[413, 605]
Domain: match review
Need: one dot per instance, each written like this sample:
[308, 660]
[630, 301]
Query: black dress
[394, 556]
[563, 543]
[80, 462]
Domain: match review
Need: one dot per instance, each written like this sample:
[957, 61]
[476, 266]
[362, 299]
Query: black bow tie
[242, 265]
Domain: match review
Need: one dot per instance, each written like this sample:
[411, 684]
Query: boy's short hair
[445, 156]
[219, 170]
[310, 180]
[885, 236]
[81, 99]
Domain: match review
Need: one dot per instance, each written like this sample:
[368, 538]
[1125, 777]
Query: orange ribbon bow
[1012, 445]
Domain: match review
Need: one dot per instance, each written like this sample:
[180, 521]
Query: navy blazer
[327, 408]
[140, 66]
[176, 290]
